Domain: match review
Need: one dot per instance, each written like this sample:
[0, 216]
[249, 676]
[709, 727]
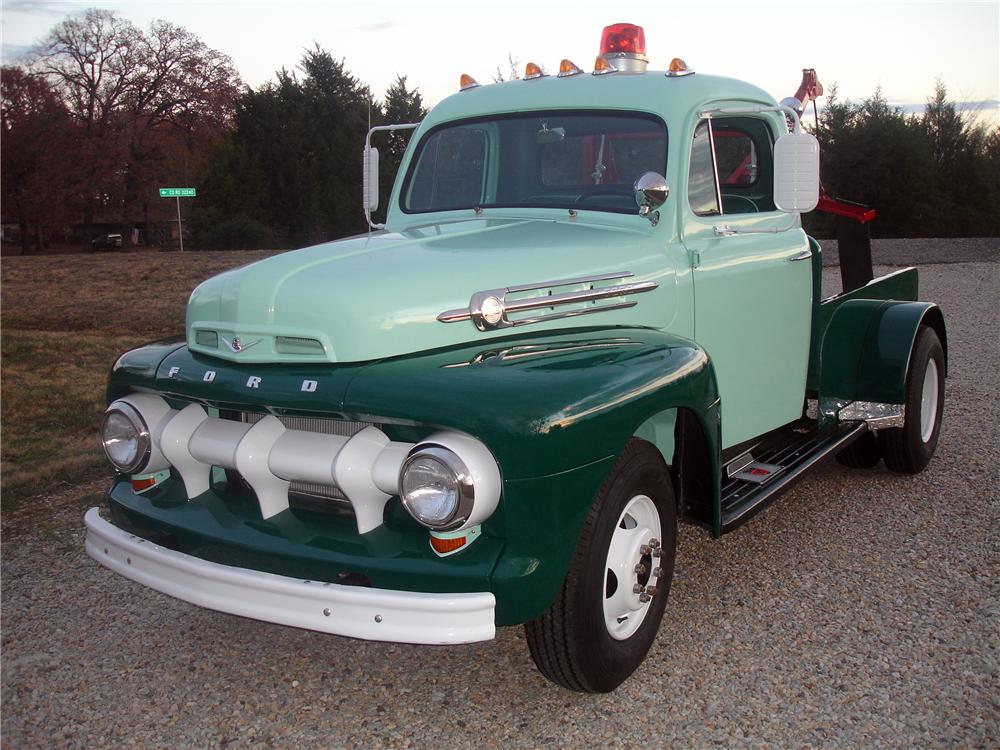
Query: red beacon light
[624, 46]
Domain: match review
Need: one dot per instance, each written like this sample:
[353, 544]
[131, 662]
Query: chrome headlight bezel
[461, 476]
[144, 443]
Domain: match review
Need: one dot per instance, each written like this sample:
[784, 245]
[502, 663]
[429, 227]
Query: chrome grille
[314, 424]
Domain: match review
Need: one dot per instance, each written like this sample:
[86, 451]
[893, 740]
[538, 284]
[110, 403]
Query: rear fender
[866, 352]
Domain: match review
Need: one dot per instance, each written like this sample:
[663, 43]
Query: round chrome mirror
[651, 192]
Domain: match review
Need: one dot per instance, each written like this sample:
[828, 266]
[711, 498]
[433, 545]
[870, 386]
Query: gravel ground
[858, 611]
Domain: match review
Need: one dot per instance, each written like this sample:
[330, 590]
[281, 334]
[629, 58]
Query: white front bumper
[358, 612]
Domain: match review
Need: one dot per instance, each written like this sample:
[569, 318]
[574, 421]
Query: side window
[740, 168]
[736, 157]
[703, 194]
[744, 154]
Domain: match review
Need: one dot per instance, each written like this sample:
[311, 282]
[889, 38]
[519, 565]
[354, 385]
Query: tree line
[103, 113]
[935, 174]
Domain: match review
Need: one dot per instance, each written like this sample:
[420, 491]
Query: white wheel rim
[631, 571]
[929, 401]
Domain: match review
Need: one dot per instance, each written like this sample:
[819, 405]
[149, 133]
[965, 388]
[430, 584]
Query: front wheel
[605, 619]
[909, 448]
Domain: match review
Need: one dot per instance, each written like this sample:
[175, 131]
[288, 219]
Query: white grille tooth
[174, 442]
[252, 462]
[353, 474]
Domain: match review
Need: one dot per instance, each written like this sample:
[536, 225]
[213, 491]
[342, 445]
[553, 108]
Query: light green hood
[380, 295]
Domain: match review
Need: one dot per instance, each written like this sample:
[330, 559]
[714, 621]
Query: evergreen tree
[402, 105]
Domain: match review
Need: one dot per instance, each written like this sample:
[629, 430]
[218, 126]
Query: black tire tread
[897, 451]
[863, 453]
[550, 635]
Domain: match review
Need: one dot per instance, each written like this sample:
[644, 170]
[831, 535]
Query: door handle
[802, 255]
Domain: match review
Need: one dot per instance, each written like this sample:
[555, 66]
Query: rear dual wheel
[605, 619]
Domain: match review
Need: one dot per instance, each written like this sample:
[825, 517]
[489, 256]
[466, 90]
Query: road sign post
[179, 193]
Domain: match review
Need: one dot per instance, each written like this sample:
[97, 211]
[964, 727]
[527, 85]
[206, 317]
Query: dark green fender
[555, 410]
[866, 345]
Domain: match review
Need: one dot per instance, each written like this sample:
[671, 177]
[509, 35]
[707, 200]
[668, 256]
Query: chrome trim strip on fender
[354, 611]
[490, 309]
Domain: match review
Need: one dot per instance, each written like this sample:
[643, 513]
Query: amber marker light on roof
[603, 67]
[532, 71]
[678, 68]
[467, 82]
[568, 68]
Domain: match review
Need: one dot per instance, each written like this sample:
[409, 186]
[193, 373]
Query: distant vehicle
[107, 242]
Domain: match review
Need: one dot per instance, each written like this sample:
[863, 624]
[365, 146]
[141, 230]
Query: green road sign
[178, 192]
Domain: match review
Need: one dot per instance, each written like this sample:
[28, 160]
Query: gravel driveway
[860, 610]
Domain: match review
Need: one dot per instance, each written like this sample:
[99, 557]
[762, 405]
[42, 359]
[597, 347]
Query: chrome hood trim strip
[490, 309]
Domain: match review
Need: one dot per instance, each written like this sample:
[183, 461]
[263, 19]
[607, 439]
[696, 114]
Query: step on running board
[774, 469]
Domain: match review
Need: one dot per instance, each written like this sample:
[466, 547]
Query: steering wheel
[730, 197]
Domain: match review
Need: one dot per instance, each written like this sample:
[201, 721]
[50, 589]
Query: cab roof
[652, 91]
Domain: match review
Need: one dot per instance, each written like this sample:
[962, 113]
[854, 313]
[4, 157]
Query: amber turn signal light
[467, 82]
[138, 485]
[444, 546]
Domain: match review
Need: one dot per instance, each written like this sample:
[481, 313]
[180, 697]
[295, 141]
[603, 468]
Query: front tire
[909, 448]
[605, 619]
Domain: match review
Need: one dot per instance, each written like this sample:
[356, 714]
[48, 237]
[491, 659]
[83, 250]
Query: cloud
[11, 53]
[40, 7]
[380, 26]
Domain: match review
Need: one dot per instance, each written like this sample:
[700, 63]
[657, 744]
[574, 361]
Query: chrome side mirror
[651, 192]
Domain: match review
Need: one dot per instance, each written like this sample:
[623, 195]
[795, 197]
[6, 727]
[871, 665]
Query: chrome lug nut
[640, 569]
[645, 549]
[650, 591]
[644, 597]
[657, 572]
[637, 589]
[654, 543]
[657, 552]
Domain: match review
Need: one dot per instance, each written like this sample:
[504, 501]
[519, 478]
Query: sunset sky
[904, 47]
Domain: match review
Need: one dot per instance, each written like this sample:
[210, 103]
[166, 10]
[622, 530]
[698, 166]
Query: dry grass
[65, 319]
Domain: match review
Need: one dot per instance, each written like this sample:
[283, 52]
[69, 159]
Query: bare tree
[144, 101]
[512, 75]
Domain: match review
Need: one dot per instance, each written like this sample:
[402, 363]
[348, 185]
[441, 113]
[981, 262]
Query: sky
[904, 47]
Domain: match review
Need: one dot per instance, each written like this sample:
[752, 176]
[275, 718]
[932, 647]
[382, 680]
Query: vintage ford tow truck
[591, 312]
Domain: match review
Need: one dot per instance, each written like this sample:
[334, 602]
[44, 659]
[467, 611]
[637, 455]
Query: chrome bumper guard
[357, 612]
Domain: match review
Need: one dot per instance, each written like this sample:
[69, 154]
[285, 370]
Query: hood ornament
[237, 345]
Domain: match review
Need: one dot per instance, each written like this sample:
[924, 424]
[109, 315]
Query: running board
[776, 468]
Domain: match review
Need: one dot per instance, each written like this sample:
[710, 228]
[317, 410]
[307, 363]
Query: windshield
[551, 159]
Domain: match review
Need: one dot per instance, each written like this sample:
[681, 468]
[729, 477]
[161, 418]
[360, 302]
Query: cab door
[752, 275]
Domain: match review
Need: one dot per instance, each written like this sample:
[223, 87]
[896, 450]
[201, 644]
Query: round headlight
[125, 437]
[436, 488]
